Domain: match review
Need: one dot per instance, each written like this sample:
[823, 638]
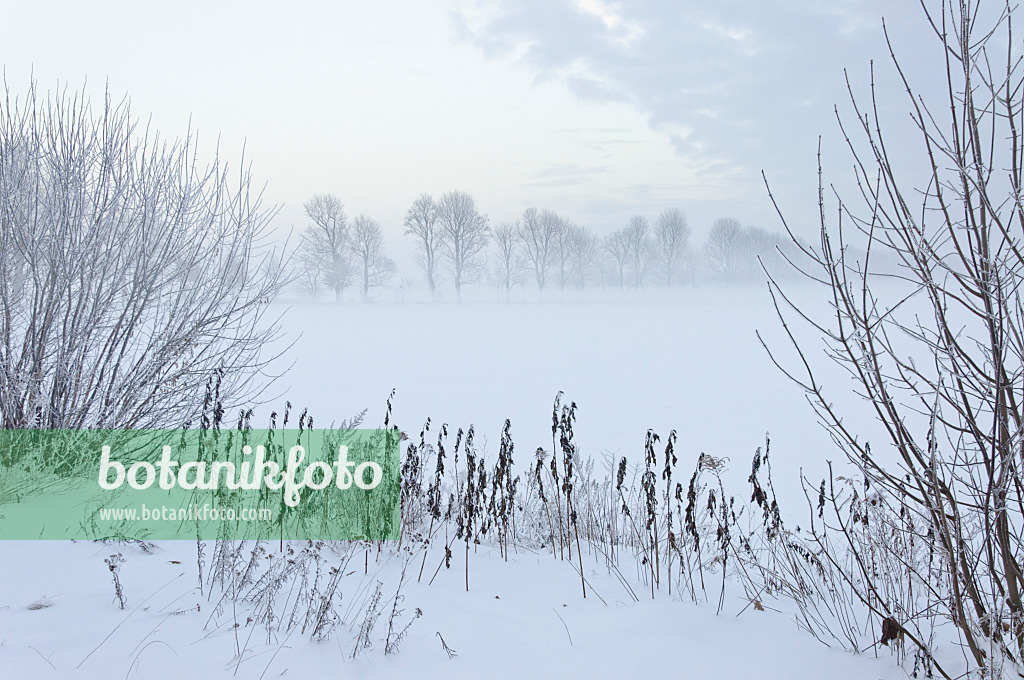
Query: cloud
[733, 86]
[563, 174]
[622, 31]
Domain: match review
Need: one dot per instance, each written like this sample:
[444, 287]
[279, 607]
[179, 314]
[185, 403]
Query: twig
[563, 625]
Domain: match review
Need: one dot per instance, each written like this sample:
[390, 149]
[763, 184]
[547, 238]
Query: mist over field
[688, 360]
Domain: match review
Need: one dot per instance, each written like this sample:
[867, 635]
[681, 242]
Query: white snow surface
[689, 361]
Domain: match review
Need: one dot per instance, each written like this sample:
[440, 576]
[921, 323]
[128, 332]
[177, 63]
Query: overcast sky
[597, 109]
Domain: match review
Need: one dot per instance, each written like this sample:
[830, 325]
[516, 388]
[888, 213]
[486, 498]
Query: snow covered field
[521, 619]
[689, 362]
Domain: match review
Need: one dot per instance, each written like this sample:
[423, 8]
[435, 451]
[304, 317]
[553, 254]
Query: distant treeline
[456, 246]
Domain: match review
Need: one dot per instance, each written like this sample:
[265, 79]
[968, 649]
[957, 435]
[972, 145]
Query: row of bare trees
[449, 231]
[547, 250]
[544, 250]
[335, 253]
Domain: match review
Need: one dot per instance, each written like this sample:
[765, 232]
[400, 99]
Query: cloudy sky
[597, 109]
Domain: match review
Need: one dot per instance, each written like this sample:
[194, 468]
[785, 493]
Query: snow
[525, 618]
[689, 361]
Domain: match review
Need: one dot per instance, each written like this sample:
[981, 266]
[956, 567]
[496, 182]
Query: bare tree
[723, 251]
[508, 263]
[938, 351]
[562, 249]
[617, 245]
[328, 237]
[764, 250]
[639, 244]
[367, 245]
[421, 222]
[464, 234]
[583, 255]
[309, 268]
[672, 245]
[537, 230]
[130, 274]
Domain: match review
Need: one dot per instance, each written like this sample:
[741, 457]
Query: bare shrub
[130, 273]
